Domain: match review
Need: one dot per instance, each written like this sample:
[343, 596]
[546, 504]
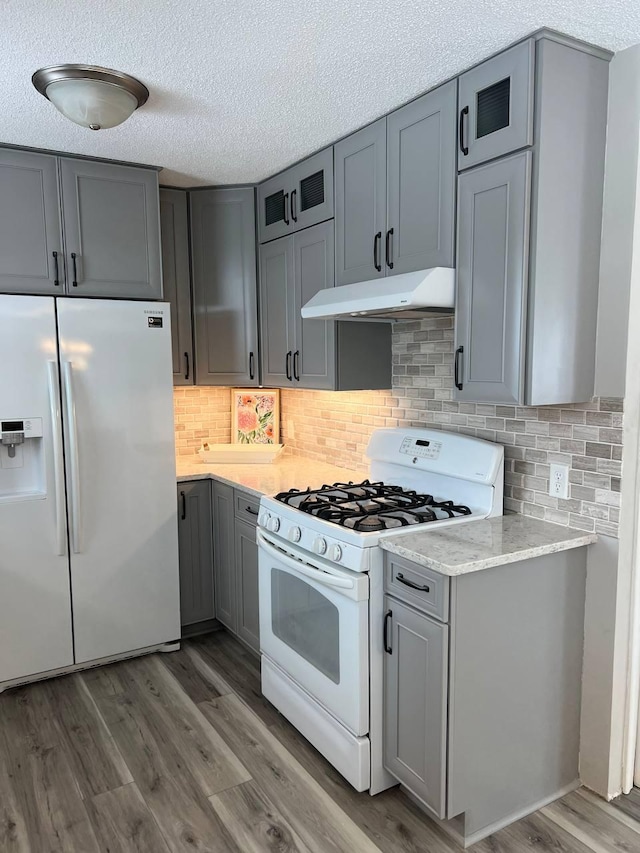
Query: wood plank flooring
[181, 752]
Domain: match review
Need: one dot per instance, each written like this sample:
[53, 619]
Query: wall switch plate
[559, 481]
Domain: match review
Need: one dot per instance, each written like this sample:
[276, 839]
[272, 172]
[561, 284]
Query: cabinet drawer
[417, 585]
[246, 507]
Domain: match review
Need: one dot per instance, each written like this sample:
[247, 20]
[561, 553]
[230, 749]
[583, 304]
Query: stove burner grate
[367, 507]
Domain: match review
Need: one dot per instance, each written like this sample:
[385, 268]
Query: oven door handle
[302, 568]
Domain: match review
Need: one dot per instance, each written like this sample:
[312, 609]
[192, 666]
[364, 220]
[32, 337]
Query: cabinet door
[415, 702]
[224, 286]
[311, 199]
[361, 203]
[314, 354]
[274, 207]
[495, 100]
[176, 279]
[112, 227]
[30, 236]
[493, 245]
[246, 549]
[421, 177]
[196, 552]
[223, 555]
[277, 294]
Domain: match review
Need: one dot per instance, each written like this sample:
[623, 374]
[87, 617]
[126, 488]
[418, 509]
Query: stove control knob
[274, 524]
[294, 534]
[320, 545]
[263, 518]
[335, 553]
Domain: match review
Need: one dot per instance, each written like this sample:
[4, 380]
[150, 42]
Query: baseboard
[464, 840]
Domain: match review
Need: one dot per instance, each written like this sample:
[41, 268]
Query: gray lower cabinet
[415, 702]
[482, 686]
[235, 516]
[31, 254]
[320, 354]
[224, 286]
[395, 191]
[224, 562]
[496, 100]
[296, 198]
[528, 245]
[246, 557]
[112, 230]
[177, 281]
[196, 553]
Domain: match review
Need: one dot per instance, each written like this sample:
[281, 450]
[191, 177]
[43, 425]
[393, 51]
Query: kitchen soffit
[242, 88]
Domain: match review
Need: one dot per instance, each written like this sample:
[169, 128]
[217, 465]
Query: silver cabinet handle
[58, 465]
[74, 458]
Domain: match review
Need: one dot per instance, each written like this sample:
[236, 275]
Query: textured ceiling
[242, 88]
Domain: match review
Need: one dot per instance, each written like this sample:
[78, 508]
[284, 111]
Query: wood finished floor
[180, 752]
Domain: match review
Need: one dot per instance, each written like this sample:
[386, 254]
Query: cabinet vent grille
[312, 190]
[493, 108]
[274, 208]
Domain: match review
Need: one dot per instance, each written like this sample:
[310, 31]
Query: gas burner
[367, 507]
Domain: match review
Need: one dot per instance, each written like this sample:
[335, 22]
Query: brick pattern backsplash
[586, 436]
[334, 426]
[201, 414]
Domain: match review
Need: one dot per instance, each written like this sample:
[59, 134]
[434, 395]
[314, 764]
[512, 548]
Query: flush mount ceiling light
[91, 96]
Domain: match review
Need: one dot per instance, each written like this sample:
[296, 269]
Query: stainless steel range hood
[410, 294]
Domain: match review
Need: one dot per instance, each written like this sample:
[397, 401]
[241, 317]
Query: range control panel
[421, 448]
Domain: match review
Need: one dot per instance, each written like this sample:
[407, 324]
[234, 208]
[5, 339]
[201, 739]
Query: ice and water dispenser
[22, 472]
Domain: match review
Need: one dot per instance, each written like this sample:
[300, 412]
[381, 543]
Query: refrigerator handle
[58, 465]
[74, 463]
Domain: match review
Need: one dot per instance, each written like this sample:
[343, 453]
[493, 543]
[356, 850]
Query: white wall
[619, 212]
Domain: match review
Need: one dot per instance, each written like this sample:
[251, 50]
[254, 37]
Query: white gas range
[321, 584]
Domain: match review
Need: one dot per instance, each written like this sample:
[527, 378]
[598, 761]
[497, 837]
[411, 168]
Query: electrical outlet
[559, 481]
[291, 429]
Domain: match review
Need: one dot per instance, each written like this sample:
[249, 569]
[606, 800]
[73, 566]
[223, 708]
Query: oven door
[314, 624]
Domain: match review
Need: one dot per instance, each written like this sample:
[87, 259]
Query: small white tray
[240, 453]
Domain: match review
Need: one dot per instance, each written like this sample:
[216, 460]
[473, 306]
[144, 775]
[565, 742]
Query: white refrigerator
[88, 527]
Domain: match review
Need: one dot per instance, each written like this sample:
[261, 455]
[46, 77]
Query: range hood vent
[408, 295]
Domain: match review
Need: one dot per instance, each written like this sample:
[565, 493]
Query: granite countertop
[475, 545]
[286, 472]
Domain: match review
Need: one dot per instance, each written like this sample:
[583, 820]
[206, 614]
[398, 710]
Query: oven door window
[304, 619]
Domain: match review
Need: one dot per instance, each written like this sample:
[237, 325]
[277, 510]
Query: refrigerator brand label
[154, 322]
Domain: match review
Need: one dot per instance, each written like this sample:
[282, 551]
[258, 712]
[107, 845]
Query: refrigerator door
[35, 599]
[119, 445]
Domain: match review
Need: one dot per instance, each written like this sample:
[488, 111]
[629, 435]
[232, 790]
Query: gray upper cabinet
[196, 552]
[314, 354]
[344, 356]
[177, 285]
[421, 183]
[496, 100]
[112, 230]
[224, 286]
[528, 244]
[297, 198]
[277, 294]
[361, 203]
[31, 256]
[493, 223]
[395, 191]
[223, 554]
[415, 703]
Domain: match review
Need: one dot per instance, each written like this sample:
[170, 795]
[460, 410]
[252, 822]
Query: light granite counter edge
[209, 475]
[424, 556]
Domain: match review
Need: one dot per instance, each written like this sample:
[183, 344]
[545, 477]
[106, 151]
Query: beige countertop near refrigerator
[287, 472]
